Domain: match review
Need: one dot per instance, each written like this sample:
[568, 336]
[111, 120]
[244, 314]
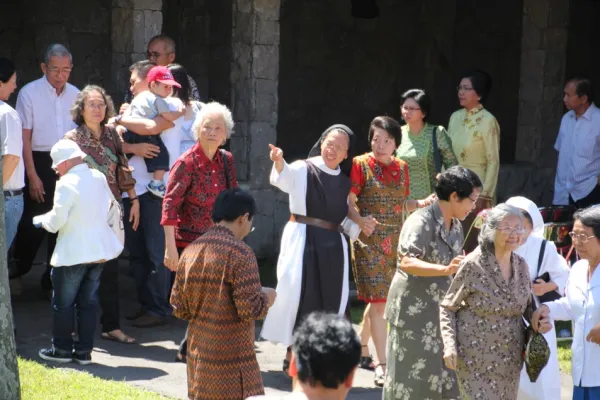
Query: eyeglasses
[335, 147]
[96, 106]
[410, 108]
[464, 88]
[509, 231]
[474, 200]
[150, 55]
[57, 70]
[580, 237]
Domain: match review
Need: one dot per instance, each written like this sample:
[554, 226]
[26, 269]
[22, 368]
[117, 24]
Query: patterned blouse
[475, 136]
[417, 151]
[194, 184]
[395, 172]
[101, 154]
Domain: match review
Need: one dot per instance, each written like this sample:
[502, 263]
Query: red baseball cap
[162, 75]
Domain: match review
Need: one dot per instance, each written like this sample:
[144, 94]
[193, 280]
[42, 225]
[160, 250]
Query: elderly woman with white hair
[548, 272]
[197, 177]
[482, 312]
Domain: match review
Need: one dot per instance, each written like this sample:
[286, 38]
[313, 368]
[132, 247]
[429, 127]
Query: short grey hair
[213, 108]
[56, 50]
[492, 220]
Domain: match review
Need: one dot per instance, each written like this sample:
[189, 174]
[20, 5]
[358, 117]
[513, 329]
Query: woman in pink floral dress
[380, 187]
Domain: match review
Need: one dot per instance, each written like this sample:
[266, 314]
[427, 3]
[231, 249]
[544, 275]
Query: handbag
[536, 351]
[437, 159]
[552, 295]
[125, 179]
[225, 167]
[115, 220]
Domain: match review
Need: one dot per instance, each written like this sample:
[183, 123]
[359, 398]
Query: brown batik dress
[381, 191]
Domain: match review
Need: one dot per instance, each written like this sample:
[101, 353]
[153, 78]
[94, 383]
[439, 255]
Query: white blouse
[581, 305]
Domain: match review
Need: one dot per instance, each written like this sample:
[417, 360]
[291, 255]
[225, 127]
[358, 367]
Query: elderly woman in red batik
[380, 187]
[197, 177]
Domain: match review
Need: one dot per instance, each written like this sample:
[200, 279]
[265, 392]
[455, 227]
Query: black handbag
[552, 295]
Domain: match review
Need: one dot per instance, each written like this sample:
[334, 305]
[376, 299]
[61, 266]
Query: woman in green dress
[416, 148]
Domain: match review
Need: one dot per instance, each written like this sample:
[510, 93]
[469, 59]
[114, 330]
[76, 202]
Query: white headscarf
[536, 217]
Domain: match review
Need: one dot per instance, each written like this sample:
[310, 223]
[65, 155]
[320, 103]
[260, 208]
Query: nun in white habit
[547, 386]
[312, 269]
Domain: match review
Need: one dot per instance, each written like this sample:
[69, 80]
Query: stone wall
[336, 68]
[134, 23]
[543, 66]
[28, 27]
[254, 87]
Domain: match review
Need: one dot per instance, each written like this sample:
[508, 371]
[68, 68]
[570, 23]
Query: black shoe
[56, 356]
[82, 358]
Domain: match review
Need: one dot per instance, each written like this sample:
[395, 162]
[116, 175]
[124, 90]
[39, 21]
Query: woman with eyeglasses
[417, 147]
[91, 111]
[581, 305]
[429, 252]
[475, 136]
[482, 313]
[548, 272]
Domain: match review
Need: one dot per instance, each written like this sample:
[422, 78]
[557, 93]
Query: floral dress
[381, 191]
[417, 151]
[416, 369]
[482, 322]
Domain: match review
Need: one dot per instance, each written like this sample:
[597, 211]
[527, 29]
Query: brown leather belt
[319, 223]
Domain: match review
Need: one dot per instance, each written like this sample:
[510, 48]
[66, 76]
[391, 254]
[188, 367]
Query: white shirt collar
[320, 163]
[52, 88]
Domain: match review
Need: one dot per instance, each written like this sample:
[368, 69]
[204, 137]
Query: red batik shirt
[194, 183]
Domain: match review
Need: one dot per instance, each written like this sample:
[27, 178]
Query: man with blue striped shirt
[578, 144]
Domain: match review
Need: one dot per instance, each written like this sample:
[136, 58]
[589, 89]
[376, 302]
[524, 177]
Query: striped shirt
[578, 146]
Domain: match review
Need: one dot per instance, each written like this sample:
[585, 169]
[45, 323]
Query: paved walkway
[149, 363]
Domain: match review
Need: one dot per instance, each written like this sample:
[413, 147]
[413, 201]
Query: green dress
[417, 152]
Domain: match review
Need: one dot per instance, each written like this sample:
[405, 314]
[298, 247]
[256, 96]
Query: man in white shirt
[578, 144]
[85, 242]
[11, 136]
[325, 356]
[43, 106]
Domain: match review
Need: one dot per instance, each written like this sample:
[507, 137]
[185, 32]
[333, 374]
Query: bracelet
[134, 198]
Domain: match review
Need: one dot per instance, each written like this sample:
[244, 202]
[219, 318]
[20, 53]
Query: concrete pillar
[134, 23]
[543, 63]
[254, 81]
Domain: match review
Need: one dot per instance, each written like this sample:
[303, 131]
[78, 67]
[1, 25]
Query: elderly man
[43, 106]
[578, 144]
[325, 356]
[80, 214]
[161, 51]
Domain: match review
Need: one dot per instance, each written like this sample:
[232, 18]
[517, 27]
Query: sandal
[379, 379]
[122, 338]
[286, 364]
[181, 358]
[366, 362]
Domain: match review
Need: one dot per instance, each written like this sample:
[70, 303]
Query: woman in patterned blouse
[197, 177]
[91, 112]
[475, 136]
[380, 187]
[416, 148]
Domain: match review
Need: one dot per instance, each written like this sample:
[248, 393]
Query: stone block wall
[28, 27]
[543, 67]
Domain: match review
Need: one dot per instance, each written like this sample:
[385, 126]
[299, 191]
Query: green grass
[41, 382]
[564, 356]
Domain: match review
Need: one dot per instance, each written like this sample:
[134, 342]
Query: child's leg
[159, 175]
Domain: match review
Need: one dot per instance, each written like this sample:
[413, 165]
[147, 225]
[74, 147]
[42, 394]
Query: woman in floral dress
[482, 313]
[416, 148]
[429, 252]
[380, 187]
[475, 136]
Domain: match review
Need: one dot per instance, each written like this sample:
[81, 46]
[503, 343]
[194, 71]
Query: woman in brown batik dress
[380, 187]
[482, 312]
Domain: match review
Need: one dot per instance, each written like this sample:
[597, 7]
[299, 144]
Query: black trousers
[29, 238]
[108, 293]
[591, 199]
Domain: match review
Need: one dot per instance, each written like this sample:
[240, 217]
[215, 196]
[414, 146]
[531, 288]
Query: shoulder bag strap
[225, 167]
[119, 146]
[541, 257]
[436, 151]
